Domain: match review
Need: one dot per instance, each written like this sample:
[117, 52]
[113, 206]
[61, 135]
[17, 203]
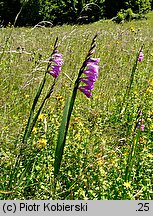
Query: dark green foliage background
[66, 11]
[100, 142]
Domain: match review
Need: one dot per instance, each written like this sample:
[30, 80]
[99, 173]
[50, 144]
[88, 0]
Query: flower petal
[85, 91]
[93, 60]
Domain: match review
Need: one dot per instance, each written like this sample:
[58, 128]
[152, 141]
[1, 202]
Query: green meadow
[106, 155]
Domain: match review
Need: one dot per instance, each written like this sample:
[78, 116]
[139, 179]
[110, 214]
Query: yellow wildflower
[151, 82]
[50, 167]
[135, 92]
[151, 113]
[80, 124]
[41, 117]
[34, 130]
[150, 155]
[76, 120]
[77, 136]
[42, 143]
[99, 155]
[127, 184]
[149, 89]
[143, 140]
[26, 96]
[99, 162]
[132, 29]
[149, 119]
[126, 153]
[59, 98]
[87, 131]
[99, 159]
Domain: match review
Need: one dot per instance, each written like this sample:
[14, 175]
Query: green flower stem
[31, 121]
[41, 106]
[129, 86]
[64, 128]
[27, 130]
[66, 117]
[131, 156]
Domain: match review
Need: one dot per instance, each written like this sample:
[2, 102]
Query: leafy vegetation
[107, 154]
[66, 11]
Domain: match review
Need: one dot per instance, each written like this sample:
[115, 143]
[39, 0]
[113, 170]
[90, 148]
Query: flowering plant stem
[32, 120]
[134, 145]
[66, 117]
[131, 156]
[128, 89]
[40, 108]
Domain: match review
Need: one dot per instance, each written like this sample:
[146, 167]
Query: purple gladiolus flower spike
[141, 56]
[58, 61]
[91, 73]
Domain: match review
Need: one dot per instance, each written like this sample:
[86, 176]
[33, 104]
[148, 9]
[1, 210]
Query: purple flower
[89, 83]
[93, 60]
[140, 124]
[142, 127]
[140, 113]
[91, 73]
[56, 67]
[91, 52]
[141, 56]
[85, 90]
